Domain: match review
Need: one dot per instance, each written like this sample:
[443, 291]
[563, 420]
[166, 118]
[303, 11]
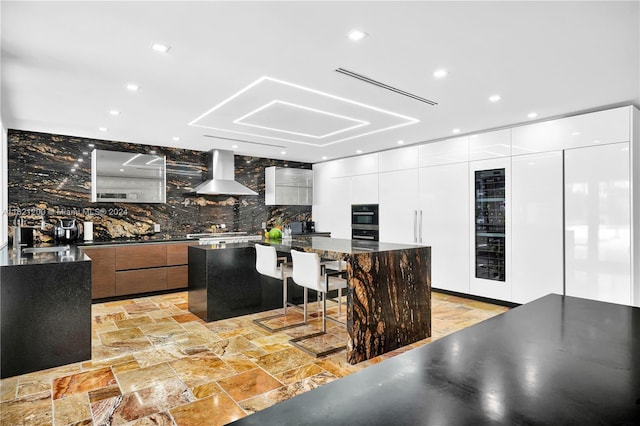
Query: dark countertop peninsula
[556, 360]
[388, 295]
[45, 311]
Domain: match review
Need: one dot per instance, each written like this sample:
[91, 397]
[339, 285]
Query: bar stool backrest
[267, 261]
[306, 269]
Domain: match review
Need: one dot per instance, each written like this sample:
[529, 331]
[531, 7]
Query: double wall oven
[364, 222]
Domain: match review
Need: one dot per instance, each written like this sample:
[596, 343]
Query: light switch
[156, 227]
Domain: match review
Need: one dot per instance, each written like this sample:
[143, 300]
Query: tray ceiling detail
[280, 110]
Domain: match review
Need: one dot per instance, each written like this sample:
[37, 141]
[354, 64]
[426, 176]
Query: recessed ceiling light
[283, 152]
[234, 146]
[440, 73]
[176, 138]
[456, 130]
[575, 133]
[114, 112]
[359, 151]
[494, 98]
[324, 157]
[133, 87]
[532, 115]
[102, 129]
[356, 35]
[122, 170]
[159, 47]
[400, 142]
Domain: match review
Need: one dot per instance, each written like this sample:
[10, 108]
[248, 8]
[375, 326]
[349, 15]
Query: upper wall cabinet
[353, 166]
[127, 177]
[584, 130]
[285, 186]
[455, 150]
[485, 146]
[399, 159]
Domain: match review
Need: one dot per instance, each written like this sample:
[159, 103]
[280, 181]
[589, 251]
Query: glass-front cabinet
[490, 224]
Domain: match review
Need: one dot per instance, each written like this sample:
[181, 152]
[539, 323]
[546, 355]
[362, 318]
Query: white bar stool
[307, 272]
[267, 264]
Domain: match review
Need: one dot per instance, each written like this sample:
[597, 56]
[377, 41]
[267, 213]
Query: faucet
[17, 233]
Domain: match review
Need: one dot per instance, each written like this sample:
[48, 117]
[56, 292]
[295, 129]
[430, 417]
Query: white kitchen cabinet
[399, 159]
[364, 189]
[484, 146]
[598, 223]
[597, 128]
[331, 201]
[481, 254]
[399, 206]
[352, 166]
[444, 202]
[537, 226]
[288, 186]
[454, 150]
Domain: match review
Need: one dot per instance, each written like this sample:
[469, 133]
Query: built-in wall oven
[364, 222]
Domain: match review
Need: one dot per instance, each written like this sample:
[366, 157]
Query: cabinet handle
[420, 228]
[415, 226]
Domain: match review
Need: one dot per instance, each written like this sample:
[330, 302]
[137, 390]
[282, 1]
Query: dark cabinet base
[224, 283]
[45, 316]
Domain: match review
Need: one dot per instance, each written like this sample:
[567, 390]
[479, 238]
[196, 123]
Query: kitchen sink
[55, 249]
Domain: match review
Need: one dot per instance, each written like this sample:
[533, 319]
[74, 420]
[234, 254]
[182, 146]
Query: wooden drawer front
[141, 256]
[177, 254]
[103, 271]
[177, 277]
[140, 281]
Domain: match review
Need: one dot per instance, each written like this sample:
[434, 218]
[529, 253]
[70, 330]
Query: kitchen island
[388, 294]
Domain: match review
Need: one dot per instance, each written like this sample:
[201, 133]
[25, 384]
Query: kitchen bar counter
[45, 310]
[556, 360]
[388, 295]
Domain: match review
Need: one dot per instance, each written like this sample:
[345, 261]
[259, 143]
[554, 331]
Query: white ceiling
[264, 72]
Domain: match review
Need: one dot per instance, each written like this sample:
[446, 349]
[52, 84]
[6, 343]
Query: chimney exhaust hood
[220, 176]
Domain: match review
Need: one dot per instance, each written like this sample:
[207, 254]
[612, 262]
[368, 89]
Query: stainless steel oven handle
[363, 237]
[363, 213]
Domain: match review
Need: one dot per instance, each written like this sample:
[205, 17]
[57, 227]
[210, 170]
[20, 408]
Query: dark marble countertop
[11, 257]
[324, 245]
[556, 360]
[141, 240]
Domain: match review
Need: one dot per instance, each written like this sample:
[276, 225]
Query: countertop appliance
[364, 222]
[66, 231]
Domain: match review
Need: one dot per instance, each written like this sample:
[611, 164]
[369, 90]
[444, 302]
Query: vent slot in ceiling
[385, 86]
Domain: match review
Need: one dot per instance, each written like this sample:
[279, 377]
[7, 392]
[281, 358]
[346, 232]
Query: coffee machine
[66, 231]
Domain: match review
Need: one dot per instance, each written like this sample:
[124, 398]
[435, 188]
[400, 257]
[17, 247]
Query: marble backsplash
[42, 185]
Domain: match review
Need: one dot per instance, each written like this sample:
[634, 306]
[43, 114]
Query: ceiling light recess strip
[385, 86]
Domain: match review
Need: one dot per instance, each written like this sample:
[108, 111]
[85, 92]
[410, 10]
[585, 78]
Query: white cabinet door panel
[364, 189]
[597, 223]
[358, 165]
[398, 206]
[455, 150]
[537, 228]
[484, 146]
[584, 130]
[398, 159]
[444, 202]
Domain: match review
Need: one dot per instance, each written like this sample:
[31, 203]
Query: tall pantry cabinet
[512, 214]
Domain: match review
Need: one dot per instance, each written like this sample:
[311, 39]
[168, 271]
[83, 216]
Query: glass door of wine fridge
[490, 224]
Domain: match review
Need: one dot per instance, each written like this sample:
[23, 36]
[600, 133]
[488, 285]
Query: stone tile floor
[155, 363]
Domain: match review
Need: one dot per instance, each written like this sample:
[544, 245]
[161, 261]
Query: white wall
[4, 191]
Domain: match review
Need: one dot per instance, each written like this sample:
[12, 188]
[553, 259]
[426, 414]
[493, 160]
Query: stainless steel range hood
[220, 176]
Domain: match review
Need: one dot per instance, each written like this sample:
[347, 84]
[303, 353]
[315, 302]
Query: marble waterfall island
[388, 295]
